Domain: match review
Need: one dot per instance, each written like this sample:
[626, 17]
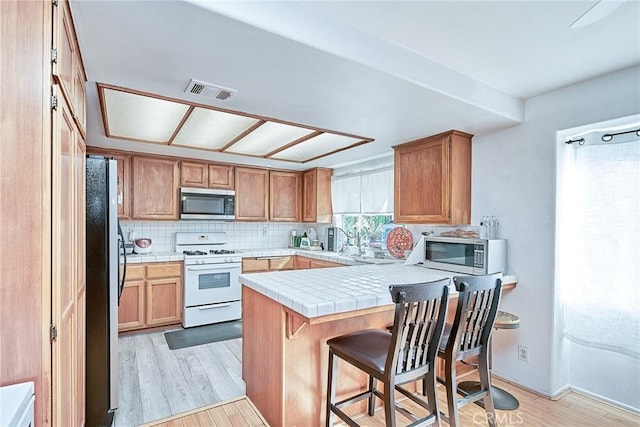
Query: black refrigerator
[105, 245]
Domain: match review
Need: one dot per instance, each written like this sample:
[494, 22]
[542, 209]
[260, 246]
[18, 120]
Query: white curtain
[601, 260]
[345, 194]
[368, 192]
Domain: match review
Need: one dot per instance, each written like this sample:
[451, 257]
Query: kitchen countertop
[325, 291]
[268, 252]
[153, 257]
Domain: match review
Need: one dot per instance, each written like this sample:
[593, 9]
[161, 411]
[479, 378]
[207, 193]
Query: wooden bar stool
[468, 336]
[404, 355]
[502, 399]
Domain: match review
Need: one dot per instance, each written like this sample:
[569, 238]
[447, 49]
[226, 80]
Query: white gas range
[211, 288]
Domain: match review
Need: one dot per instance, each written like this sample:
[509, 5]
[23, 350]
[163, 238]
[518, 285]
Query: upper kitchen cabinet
[252, 194]
[124, 180]
[68, 69]
[221, 176]
[154, 184]
[316, 196]
[285, 196]
[203, 175]
[194, 175]
[433, 180]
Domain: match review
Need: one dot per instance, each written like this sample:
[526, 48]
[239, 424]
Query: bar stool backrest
[420, 315]
[478, 299]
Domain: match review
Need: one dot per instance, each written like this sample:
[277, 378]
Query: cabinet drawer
[157, 271]
[135, 272]
[202, 315]
[255, 265]
[281, 263]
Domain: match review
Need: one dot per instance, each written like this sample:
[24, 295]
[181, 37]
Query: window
[367, 229]
[363, 204]
[599, 231]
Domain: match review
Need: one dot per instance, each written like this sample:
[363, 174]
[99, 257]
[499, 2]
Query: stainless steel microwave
[205, 203]
[466, 256]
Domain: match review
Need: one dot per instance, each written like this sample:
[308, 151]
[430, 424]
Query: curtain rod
[606, 137]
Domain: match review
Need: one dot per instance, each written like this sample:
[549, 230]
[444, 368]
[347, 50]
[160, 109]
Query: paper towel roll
[417, 255]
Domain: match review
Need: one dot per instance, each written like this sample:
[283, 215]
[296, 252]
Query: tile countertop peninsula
[319, 292]
[288, 316]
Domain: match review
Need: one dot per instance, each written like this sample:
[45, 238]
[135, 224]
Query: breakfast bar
[287, 318]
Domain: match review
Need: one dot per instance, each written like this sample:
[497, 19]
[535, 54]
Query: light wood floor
[188, 385]
[573, 410]
[156, 382]
[238, 412]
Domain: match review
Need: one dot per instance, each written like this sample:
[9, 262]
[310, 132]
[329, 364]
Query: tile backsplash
[240, 235]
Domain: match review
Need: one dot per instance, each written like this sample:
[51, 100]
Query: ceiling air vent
[209, 90]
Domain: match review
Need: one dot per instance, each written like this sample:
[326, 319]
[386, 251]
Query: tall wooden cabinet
[68, 288]
[317, 196]
[42, 297]
[433, 180]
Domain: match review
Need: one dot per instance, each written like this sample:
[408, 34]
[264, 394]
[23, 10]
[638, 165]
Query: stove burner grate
[194, 253]
[221, 252]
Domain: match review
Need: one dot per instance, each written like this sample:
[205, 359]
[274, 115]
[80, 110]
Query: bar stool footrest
[502, 399]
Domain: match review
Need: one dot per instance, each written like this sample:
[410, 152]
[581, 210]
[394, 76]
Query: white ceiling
[390, 70]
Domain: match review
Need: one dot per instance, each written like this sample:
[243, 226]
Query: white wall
[514, 177]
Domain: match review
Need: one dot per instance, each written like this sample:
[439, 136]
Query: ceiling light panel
[211, 129]
[316, 147]
[267, 138]
[140, 117]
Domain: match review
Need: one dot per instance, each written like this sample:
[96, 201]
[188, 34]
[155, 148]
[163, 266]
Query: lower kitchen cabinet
[303, 263]
[152, 296]
[280, 263]
[262, 264]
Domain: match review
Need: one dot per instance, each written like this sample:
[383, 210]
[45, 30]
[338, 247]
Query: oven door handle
[211, 307]
[228, 266]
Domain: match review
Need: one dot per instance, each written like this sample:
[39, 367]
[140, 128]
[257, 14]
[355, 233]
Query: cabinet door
[252, 191]
[164, 301]
[65, 45]
[124, 183]
[194, 175]
[221, 176]
[131, 308]
[80, 278]
[433, 179]
[302, 263]
[155, 188]
[309, 201]
[285, 196]
[80, 95]
[317, 196]
[422, 182]
[64, 274]
[318, 263]
[281, 263]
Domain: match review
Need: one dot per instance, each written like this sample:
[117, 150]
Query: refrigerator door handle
[124, 268]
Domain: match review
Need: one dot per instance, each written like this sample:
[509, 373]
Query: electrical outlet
[523, 353]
